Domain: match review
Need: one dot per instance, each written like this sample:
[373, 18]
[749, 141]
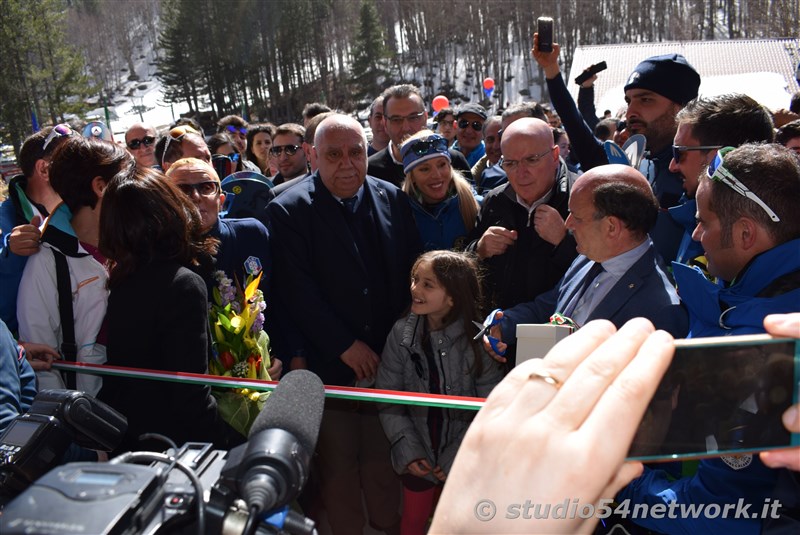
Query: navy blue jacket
[644, 291]
[322, 282]
[240, 240]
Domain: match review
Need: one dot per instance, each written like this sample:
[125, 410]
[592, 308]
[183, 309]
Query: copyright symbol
[485, 510]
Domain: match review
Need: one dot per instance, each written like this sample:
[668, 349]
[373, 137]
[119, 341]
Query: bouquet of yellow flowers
[240, 346]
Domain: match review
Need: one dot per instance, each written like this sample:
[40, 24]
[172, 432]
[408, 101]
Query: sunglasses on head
[177, 134]
[291, 150]
[678, 150]
[476, 125]
[718, 173]
[233, 130]
[429, 145]
[204, 189]
[135, 144]
[58, 131]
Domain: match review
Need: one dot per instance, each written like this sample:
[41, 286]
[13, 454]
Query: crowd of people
[378, 255]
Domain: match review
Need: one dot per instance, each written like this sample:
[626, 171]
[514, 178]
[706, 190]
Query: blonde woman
[443, 202]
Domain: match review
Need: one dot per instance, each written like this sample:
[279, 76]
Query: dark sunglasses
[429, 146]
[476, 125]
[135, 144]
[233, 130]
[678, 150]
[291, 150]
[58, 131]
[204, 189]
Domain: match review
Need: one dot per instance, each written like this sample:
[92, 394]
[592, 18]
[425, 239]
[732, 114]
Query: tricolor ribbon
[337, 392]
[560, 319]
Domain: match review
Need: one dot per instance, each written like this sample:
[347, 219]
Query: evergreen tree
[39, 71]
[370, 54]
[178, 68]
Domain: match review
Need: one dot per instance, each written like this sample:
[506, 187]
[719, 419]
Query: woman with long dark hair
[259, 141]
[158, 309]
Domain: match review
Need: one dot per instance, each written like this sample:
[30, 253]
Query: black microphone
[270, 470]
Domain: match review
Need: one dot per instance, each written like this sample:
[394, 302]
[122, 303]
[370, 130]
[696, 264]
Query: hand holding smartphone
[721, 395]
[545, 31]
[590, 71]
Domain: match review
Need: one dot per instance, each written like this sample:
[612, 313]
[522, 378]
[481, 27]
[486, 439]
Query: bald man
[617, 275]
[520, 235]
[140, 139]
[343, 245]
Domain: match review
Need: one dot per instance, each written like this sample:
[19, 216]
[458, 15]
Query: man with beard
[656, 91]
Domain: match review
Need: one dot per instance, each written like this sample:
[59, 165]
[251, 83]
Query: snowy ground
[145, 104]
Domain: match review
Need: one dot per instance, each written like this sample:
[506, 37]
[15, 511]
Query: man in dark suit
[520, 236]
[343, 244]
[404, 115]
[617, 275]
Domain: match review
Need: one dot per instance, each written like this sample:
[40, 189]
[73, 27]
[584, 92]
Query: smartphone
[721, 395]
[591, 71]
[545, 31]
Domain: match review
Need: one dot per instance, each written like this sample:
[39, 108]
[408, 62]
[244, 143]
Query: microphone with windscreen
[269, 471]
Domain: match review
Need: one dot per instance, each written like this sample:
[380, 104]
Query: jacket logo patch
[252, 265]
[738, 462]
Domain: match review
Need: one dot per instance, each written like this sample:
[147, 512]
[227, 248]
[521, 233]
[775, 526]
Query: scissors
[490, 321]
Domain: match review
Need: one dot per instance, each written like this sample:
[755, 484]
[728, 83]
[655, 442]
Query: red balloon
[488, 83]
[440, 102]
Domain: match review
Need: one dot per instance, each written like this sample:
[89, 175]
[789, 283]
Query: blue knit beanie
[415, 151]
[669, 75]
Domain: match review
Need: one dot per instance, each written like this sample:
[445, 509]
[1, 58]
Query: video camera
[37, 441]
[196, 489]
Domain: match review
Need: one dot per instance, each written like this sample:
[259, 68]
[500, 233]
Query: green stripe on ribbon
[393, 397]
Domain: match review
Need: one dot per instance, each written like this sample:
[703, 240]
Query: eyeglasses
[529, 161]
[429, 145]
[398, 120]
[135, 144]
[204, 189]
[476, 125]
[58, 131]
[176, 134]
[678, 150]
[277, 150]
[718, 173]
[233, 130]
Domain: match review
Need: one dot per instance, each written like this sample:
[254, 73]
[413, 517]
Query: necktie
[591, 275]
[350, 204]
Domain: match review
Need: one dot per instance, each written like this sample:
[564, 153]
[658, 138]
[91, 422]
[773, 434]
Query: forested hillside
[270, 57]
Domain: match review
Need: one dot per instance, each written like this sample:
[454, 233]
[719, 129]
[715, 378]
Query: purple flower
[258, 324]
[226, 289]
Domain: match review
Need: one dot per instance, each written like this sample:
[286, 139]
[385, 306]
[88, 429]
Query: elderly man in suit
[343, 245]
[617, 275]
